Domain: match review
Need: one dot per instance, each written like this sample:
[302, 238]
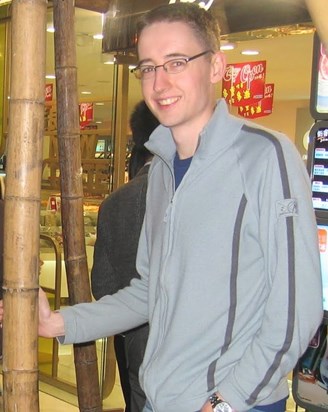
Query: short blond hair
[203, 23]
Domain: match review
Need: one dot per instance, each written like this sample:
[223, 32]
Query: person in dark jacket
[119, 223]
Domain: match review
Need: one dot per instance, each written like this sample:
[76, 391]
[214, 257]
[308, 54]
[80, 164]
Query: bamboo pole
[22, 205]
[72, 195]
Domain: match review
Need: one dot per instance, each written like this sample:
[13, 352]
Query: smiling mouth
[167, 102]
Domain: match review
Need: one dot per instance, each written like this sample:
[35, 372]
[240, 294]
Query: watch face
[222, 407]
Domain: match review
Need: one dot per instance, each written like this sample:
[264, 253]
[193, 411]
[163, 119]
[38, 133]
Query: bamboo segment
[21, 371]
[72, 195]
[22, 205]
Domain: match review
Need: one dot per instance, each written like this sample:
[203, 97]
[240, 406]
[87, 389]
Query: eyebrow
[166, 57]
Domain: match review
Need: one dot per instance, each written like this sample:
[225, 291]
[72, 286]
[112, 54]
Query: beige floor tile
[51, 404]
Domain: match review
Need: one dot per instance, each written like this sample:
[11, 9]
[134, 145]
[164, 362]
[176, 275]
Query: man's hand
[207, 407]
[51, 324]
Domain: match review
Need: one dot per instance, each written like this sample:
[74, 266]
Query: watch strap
[214, 400]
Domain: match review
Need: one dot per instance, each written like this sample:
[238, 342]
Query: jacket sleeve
[109, 316]
[293, 311]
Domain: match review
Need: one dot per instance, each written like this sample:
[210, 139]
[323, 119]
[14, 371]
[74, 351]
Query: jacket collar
[216, 135]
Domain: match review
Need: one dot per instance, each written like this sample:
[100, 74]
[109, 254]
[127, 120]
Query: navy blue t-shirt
[180, 168]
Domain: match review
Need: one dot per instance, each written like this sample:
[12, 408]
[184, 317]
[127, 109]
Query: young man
[228, 253]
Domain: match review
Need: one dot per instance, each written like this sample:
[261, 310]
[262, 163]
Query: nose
[161, 79]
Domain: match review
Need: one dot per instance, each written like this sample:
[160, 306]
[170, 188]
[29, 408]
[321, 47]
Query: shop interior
[106, 83]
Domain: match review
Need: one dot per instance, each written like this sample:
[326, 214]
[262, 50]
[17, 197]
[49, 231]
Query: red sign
[54, 203]
[49, 92]
[243, 83]
[86, 114]
[262, 108]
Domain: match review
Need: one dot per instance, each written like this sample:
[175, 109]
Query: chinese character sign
[243, 83]
[262, 108]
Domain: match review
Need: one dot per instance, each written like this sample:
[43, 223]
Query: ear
[218, 66]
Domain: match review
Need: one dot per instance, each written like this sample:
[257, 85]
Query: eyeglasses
[174, 66]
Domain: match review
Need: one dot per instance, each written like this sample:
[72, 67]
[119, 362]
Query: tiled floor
[51, 404]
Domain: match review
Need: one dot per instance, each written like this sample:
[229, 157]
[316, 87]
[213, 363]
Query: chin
[167, 124]
[167, 121]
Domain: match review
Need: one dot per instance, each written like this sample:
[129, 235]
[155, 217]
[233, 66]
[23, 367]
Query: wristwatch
[219, 405]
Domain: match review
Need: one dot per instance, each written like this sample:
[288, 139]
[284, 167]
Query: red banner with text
[49, 92]
[262, 108]
[243, 83]
[86, 114]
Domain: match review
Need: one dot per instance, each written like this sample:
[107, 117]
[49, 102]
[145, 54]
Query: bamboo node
[32, 199]
[76, 258]
[14, 290]
[7, 371]
[26, 101]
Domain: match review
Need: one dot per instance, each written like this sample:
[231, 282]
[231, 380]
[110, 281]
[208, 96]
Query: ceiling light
[100, 104]
[98, 36]
[85, 92]
[225, 46]
[250, 52]
[50, 76]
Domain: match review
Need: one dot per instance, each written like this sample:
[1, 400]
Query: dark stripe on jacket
[291, 266]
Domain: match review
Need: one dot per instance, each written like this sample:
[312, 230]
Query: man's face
[183, 101]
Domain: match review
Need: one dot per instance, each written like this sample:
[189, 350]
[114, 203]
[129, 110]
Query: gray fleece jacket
[230, 275]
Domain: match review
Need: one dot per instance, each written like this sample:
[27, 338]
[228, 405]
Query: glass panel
[95, 97]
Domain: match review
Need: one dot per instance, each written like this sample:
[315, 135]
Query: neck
[186, 135]
[185, 152]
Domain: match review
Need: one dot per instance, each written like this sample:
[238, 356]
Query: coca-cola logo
[231, 74]
[204, 4]
[248, 73]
